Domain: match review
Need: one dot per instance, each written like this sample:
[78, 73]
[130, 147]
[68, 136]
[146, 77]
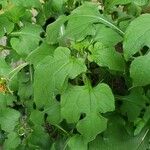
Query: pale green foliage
[106, 56]
[12, 142]
[5, 25]
[137, 36]
[55, 30]
[56, 71]
[4, 67]
[74, 75]
[27, 39]
[91, 101]
[133, 103]
[8, 119]
[140, 71]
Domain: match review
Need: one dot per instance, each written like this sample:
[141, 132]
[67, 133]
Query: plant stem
[59, 127]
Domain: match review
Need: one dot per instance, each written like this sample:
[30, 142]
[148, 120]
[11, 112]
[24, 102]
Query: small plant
[75, 75]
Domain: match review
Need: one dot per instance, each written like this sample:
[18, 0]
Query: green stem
[59, 127]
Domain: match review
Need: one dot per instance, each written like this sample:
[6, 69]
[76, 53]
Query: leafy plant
[74, 74]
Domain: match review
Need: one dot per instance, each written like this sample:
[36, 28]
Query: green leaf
[137, 36]
[39, 138]
[40, 53]
[27, 39]
[37, 117]
[53, 112]
[57, 6]
[15, 13]
[107, 57]
[140, 71]
[106, 35]
[12, 141]
[8, 119]
[55, 30]
[117, 138]
[77, 142]
[4, 67]
[91, 101]
[6, 100]
[5, 25]
[52, 72]
[81, 20]
[133, 103]
[80, 23]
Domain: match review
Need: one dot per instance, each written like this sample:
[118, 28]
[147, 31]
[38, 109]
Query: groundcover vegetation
[75, 75]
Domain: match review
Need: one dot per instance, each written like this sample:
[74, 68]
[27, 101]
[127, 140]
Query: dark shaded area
[118, 85]
[119, 47]
[83, 115]
[0, 6]
[114, 15]
[58, 97]
[77, 81]
[50, 129]
[19, 107]
[48, 21]
[144, 50]
[95, 74]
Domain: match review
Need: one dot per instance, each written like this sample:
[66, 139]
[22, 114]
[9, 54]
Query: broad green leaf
[106, 35]
[6, 100]
[56, 6]
[80, 23]
[4, 67]
[39, 138]
[133, 103]
[81, 20]
[55, 30]
[27, 39]
[5, 25]
[52, 72]
[12, 141]
[77, 142]
[140, 70]
[117, 138]
[25, 90]
[37, 117]
[77, 100]
[8, 119]
[137, 35]
[106, 56]
[40, 53]
[53, 112]
[15, 13]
